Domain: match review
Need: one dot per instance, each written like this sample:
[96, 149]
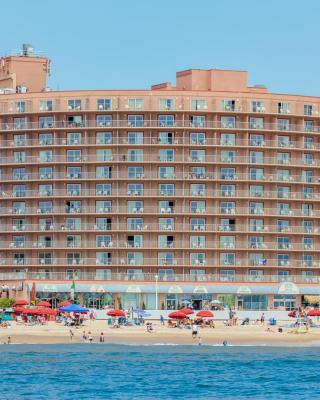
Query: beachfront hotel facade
[206, 190]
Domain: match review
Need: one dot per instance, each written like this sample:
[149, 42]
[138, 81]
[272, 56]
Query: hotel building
[206, 190]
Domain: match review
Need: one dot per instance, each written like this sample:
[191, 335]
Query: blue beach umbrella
[74, 308]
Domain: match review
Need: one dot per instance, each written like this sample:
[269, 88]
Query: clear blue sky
[109, 44]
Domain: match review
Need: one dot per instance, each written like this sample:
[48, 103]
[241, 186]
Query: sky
[123, 44]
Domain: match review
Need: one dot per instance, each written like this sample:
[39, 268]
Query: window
[19, 156]
[73, 155]
[227, 242]
[197, 155]
[286, 301]
[308, 142]
[135, 172]
[166, 274]
[103, 137]
[253, 302]
[166, 155]
[104, 155]
[197, 121]
[135, 241]
[306, 209]
[165, 137]
[228, 105]
[283, 108]
[308, 126]
[73, 138]
[197, 189]
[198, 138]
[73, 207]
[103, 172]
[227, 190]
[46, 122]
[197, 172]
[198, 104]
[166, 104]
[73, 241]
[74, 104]
[256, 157]
[103, 258]
[19, 140]
[257, 106]
[103, 189]
[166, 120]
[283, 158]
[166, 189]
[45, 190]
[18, 207]
[227, 225]
[45, 173]
[165, 206]
[46, 105]
[103, 206]
[228, 122]
[256, 208]
[135, 189]
[228, 207]
[166, 173]
[135, 155]
[135, 137]
[197, 242]
[135, 121]
[135, 104]
[256, 174]
[19, 123]
[20, 106]
[165, 241]
[104, 120]
[227, 275]
[283, 192]
[104, 104]
[307, 159]
[166, 224]
[135, 224]
[256, 140]
[45, 139]
[307, 109]
[283, 124]
[227, 139]
[197, 207]
[197, 224]
[227, 173]
[103, 240]
[135, 206]
[255, 123]
[197, 259]
[228, 155]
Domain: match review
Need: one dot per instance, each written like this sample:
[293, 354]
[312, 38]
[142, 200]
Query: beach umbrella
[116, 313]
[64, 303]
[314, 313]
[205, 314]
[47, 311]
[20, 303]
[43, 303]
[292, 314]
[177, 315]
[19, 310]
[74, 308]
[31, 311]
[187, 311]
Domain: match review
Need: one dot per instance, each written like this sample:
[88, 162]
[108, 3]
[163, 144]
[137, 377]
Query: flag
[72, 290]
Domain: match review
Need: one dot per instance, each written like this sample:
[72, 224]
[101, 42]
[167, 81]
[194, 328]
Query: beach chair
[30, 320]
[19, 319]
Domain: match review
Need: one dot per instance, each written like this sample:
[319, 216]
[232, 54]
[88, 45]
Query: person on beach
[161, 319]
[194, 331]
[90, 338]
[9, 339]
[262, 318]
[199, 341]
[101, 337]
[84, 335]
[71, 335]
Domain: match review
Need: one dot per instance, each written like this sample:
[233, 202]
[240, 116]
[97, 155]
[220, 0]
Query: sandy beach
[53, 333]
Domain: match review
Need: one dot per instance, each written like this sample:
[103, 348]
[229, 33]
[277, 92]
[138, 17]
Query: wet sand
[53, 333]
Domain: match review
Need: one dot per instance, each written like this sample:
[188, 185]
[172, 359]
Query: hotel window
[257, 259]
[20, 106]
[308, 276]
[198, 104]
[73, 138]
[227, 139]
[227, 225]
[45, 258]
[307, 226]
[308, 126]
[135, 155]
[228, 122]
[103, 206]
[256, 157]
[166, 155]
[197, 172]
[226, 275]
[165, 241]
[45, 139]
[103, 155]
[18, 224]
[103, 258]
[73, 172]
[135, 258]
[17, 241]
[165, 137]
[256, 208]
[197, 224]
[283, 225]
[197, 189]
[46, 122]
[135, 121]
[228, 105]
[284, 301]
[283, 192]
[18, 207]
[73, 207]
[283, 175]
[283, 108]
[197, 242]
[255, 275]
[73, 155]
[227, 242]
[227, 155]
[256, 190]
[104, 120]
[45, 173]
[166, 259]
[307, 109]
[134, 224]
[45, 156]
[46, 105]
[256, 225]
[306, 209]
[307, 159]
[103, 240]
[166, 173]
[166, 224]
[135, 138]
[256, 242]
[166, 189]
[74, 259]
[283, 141]
[103, 172]
[166, 104]
[197, 121]
[283, 243]
[73, 189]
[104, 104]
[20, 123]
[166, 120]
[74, 121]
[72, 273]
[103, 137]
[257, 106]
[283, 259]
[135, 241]
[307, 192]
[165, 206]
[73, 241]
[307, 243]
[135, 173]
[19, 190]
[166, 274]
[227, 259]
[283, 124]
[135, 104]
[256, 140]
[228, 207]
[255, 123]
[134, 274]
[18, 258]
[19, 140]
[44, 241]
[198, 138]
[19, 173]
[228, 173]
[103, 189]
[197, 155]
[19, 156]
[197, 259]
[308, 142]
[306, 176]
[227, 190]
[135, 189]
[256, 174]
[135, 206]
[283, 158]
[45, 190]
[45, 224]
[307, 260]
[197, 207]
[74, 104]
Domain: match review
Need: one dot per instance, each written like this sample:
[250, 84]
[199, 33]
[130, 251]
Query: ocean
[94, 371]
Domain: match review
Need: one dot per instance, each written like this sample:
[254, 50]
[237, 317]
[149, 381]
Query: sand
[53, 333]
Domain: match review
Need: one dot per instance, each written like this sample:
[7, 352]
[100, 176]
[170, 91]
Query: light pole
[156, 278]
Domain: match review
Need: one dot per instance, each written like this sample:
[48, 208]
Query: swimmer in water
[225, 343]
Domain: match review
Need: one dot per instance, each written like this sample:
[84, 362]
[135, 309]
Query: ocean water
[84, 371]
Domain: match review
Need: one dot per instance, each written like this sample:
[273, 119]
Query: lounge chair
[19, 319]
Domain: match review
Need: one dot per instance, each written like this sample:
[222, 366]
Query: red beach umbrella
[47, 311]
[116, 313]
[20, 303]
[177, 315]
[43, 303]
[31, 311]
[292, 314]
[187, 311]
[205, 314]
[18, 310]
[64, 303]
[314, 313]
